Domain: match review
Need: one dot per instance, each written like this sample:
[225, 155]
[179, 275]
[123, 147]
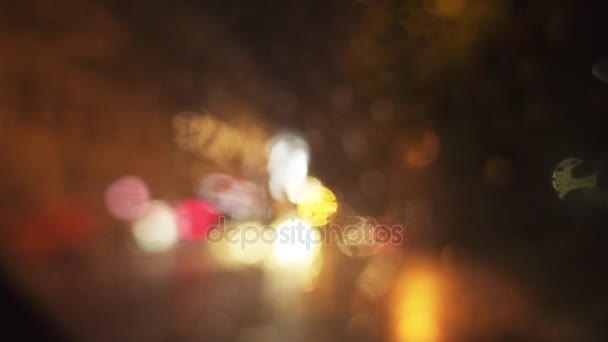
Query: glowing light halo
[293, 244]
[238, 249]
[318, 206]
[195, 218]
[127, 198]
[288, 159]
[305, 192]
[416, 304]
[300, 260]
[156, 230]
[237, 198]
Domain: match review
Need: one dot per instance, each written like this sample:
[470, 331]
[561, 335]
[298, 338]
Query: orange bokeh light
[415, 304]
[424, 152]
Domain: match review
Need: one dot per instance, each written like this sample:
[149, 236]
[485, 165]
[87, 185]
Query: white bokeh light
[156, 230]
[289, 249]
[306, 191]
[288, 158]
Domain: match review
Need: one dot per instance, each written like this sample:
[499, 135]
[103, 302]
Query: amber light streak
[415, 304]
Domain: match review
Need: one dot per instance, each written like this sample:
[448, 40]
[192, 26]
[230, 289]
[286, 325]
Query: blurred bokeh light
[288, 158]
[293, 245]
[438, 123]
[416, 306]
[127, 198]
[422, 153]
[318, 206]
[237, 198]
[156, 230]
[237, 245]
[195, 218]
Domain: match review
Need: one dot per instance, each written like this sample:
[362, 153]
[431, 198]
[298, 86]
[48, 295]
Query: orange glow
[445, 8]
[415, 307]
[419, 327]
[424, 152]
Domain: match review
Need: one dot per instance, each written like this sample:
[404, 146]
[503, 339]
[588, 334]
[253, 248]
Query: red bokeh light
[66, 226]
[195, 218]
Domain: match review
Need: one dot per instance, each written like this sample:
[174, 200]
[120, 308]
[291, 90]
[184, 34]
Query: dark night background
[88, 89]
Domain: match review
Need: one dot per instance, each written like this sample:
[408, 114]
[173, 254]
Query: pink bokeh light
[127, 198]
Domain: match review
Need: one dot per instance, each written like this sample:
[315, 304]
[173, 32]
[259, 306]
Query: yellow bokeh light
[317, 206]
[420, 327]
[241, 247]
[415, 310]
[290, 249]
[297, 252]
